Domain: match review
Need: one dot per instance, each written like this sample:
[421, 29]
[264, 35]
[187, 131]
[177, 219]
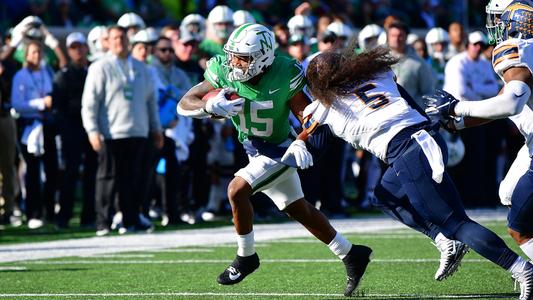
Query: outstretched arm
[509, 102]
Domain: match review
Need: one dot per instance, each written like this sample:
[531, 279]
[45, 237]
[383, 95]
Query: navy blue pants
[520, 215]
[409, 175]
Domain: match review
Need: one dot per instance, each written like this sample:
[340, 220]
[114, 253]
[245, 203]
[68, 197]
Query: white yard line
[199, 237]
[267, 295]
[216, 261]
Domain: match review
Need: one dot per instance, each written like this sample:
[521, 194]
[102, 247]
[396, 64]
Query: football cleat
[451, 254]
[356, 262]
[525, 279]
[239, 269]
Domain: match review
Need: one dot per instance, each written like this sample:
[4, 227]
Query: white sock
[518, 266]
[527, 248]
[340, 246]
[245, 244]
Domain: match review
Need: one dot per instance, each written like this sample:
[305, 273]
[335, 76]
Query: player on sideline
[513, 62]
[357, 97]
[271, 88]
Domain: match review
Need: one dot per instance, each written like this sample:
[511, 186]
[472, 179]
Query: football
[212, 93]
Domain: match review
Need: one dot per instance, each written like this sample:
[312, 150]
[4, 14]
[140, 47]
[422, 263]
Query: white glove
[220, 106]
[49, 39]
[297, 151]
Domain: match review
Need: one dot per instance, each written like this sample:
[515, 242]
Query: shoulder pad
[507, 55]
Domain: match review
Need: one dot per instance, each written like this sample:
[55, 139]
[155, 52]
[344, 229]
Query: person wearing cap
[327, 41]
[298, 47]
[219, 27]
[185, 51]
[141, 45]
[469, 78]
[171, 84]
[411, 71]
[76, 149]
[119, 113]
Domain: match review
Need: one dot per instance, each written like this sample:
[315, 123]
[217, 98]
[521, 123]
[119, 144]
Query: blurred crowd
[91, 118]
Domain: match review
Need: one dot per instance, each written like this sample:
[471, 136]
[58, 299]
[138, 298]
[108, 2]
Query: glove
[298, 152]
[440, 105]
[49, 39]
[222, 107]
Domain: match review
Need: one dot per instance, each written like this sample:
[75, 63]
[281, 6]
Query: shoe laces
[446, 247]
[525, 280]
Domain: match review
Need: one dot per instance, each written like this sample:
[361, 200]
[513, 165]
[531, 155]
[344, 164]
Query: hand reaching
[298, 153]
[440, 105]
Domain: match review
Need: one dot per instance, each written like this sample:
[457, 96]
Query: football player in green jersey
[270, 87]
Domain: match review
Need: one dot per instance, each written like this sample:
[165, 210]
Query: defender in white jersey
[358, 102]
[513, 62]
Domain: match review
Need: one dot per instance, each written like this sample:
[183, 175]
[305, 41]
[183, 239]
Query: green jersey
[211, 48]
[266, 108]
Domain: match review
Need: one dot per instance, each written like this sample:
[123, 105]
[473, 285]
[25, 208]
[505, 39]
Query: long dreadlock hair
[333, 74]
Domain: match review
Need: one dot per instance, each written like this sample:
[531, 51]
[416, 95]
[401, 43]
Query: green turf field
[403, 267]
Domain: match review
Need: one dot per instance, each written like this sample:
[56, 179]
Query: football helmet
[437, 35]
[301, 25]
[96, 49]
[242, 16]
[517, 19]
[369, 32]
[494, 11]
[194, 23]
[255, 43]
[131, 20]
[221, 14]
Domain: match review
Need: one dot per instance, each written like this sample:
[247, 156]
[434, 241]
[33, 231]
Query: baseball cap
[76, 37]
[188, 36]
[297, 38]
[477, 37]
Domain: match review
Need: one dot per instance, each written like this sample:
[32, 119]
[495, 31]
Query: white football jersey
[370, 117]
[517, 53]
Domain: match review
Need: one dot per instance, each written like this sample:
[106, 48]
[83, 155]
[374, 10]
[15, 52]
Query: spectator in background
[132, 23]
[437, 41]
[31, 97]
[470, 78]
[281, 32]
[411, 71]
[76, 149]
[141, 45]
[456, 34]
[368, 37]
[421, 50]
[299, 47]
[97, 41]
[185, 52]
[32, 28]
[8, 140]
[219, 27]
[241, 17]
[195, 24]
[119, 111]
[171, 83]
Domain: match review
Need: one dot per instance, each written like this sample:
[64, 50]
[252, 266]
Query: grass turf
[184, 275]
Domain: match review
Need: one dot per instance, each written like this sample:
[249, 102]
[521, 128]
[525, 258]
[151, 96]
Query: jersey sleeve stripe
[505, 57]
[504, 51]
[312, 128]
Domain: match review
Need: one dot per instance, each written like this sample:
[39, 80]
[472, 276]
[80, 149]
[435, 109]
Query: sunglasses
[165, 49]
